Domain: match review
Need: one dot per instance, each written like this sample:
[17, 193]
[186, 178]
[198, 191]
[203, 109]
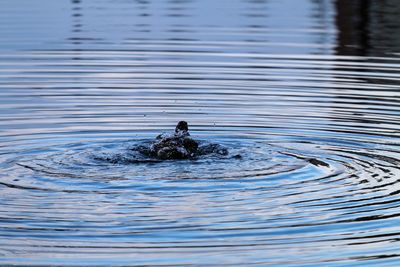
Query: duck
[178, 145]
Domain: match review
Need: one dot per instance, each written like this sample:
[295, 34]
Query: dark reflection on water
[368, 28]
[307, 92]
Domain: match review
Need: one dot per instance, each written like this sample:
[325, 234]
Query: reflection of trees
[76, 28]
[384, 29]
[352, 23]
[367, 27]
[76, 14]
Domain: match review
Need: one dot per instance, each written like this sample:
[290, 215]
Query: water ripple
[317, 180]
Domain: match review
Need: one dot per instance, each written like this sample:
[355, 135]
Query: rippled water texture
[306, 92]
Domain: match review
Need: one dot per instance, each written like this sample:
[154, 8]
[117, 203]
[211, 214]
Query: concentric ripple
[318, 134]
[120, 165]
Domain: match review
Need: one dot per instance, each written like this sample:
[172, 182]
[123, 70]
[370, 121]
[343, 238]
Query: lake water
[307, 92]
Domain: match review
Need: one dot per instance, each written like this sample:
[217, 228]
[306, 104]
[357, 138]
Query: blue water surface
[306, 92]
